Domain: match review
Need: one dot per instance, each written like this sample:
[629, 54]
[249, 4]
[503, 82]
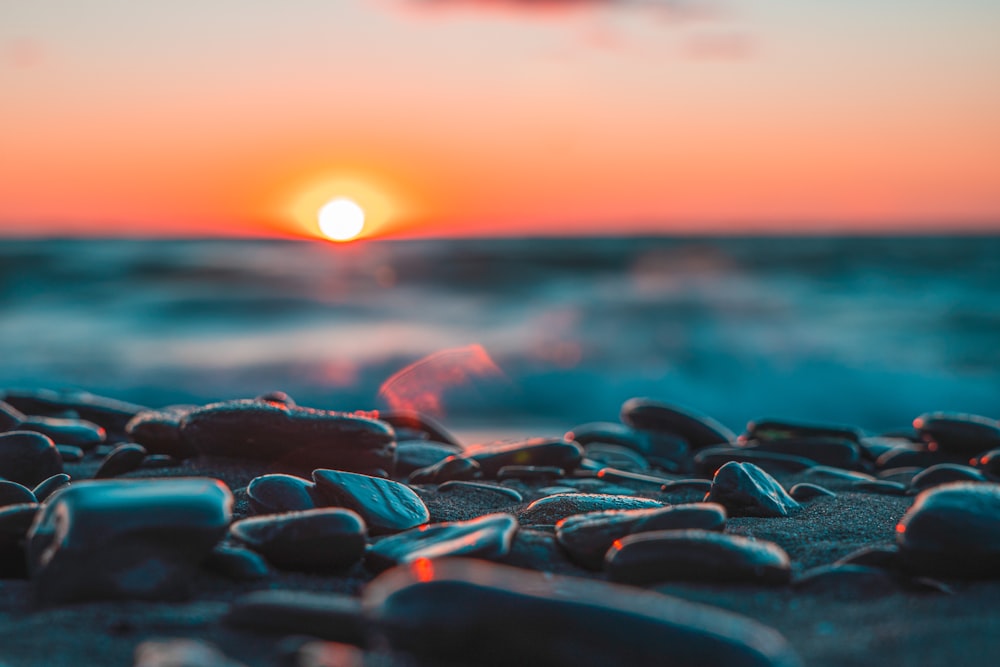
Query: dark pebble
[640, 479]
[15, 520]
[109, 413]
[849, 582]
[873, 448]
[276, 397]
[124, 459]
[12, 493]
[886, 557]
[587, 537]
[10, 417]
[746, 490]
[159, 431]
[237, 563]
[698, 430]
[839, 453]
[450, 610]
[952, 531]
[316, 540]
[777, 429]
[944, 473]
[957, 433]
[511, 495]
[901, 475]
[616, 456]
[709, 460]
[446, 470]
[909, 456]
[282, 612]
[880, 486]
[290, 438]
[551, 509]
[531, 473]
[69, 453]
[28, 458]
[158, 461]
[415, 421]
[413, 455]
[75, 432]
[488, 537]
[126, 539]
[385, 506]
[46, 488]
[988, 462]
[837, 477]
[807, 491]
[608, 433]
[697, 485]
[535, 452]
[270, 494]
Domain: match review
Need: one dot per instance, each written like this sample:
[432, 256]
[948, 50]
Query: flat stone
[159, 431]
[28, 458]
[698, 430]
[901, 475]
[449, 610]
[958, 433]
[777, 429]
[125, 539]
[453, 468]
[10, 417]
[943, 473]
[416, 421]
[180, 653]
[237, 563]
[616, 456]
[587, 537]
[282, 612]
[123, 459]
[45, 489]
[847, 581]
[75, 432]
[15, 520]
[535, 452]
[275, 493]
[639, 479]
[827, 451]
[746, 490]
[511, 495]
[276, 397]
[886, 557]
[988, 462]
[109, 413]
[316, 540]
[413, 455]
[386, 506]
[661, 445]
[909, 456]
[837, 478]
[952, 530]
[807, 491]
[488, 537]
[880, 486]
[531, 473]
[290, 437]
[69, 453]
[159, 461]
[552, 509]
[12, 493]
[708, 460]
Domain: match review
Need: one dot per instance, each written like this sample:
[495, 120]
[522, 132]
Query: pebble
[640, 479]
[69, 453]
[909, 456]
[386, 506]
[944, 473]
[827, 451]
[446, 611]
[886, 557]
[988, 462]
[551, 509]
[837, 476]
[608, 433]
[511, 495]
[534, 452]
[122, 460]
[807, 491]
[952, 530]
[709, 460]
[28, 458]
[46, 488]
[237, 563]
[12, 493]
[270, 494]
[15, 520]
[958, 433]
[531, 473]
[587, 537]
[778, 429]
[847, 581]
[10, 417]
[126, 539]
[880, 486]
[901, 475]
[488, 537]
[289, 437]
[159, 431]
[413, 455]
[696, 555]
[446, 470]
[316, 540]
[698, 430]
[872, 448]
[180, 653]
[330, 616]
[109, 413]
[746, 490]
[615, 456]
[276, 397]
[75, 432]
[158, 461]
[416, 421]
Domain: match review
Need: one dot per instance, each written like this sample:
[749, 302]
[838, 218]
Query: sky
[509, 117]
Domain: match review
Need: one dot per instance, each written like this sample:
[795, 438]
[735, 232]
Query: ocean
[509, 337]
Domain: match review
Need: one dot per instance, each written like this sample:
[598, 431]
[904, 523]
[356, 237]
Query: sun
[341, 219]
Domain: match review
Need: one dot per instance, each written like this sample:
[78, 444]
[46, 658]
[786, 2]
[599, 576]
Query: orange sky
[245, 117]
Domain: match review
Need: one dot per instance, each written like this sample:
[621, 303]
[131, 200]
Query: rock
[551, 509]
[880, 486]
[696, 555]
[415, 421]
[109, 413]
[746, 490]
[512, 495]
[531, 473]
[707, 461]
[271, 494]
[698, 430]
[12, 493]
[587, 537]
[123, 459]
[180, 653]
[847, 581]
[839, 453]
[237, 563]
[639, 479]
[28, 458]
[989, 462]
[10, 417]
[450, 469]
[75, 432]
[806, 491]
[872, 448]
[45, 489]
[316, 540]
[70, 454]
[413, 455]
[488, 537]
[837, 478]
[666, 446]
[909, 456]
[886, 557]
[901, 475]
[125, 539]
[446, 611]
[325, 615]
[159, 461]
[290, 438]
[777, 429]
[159, 431]
[276, 397]
[15, 520]
[952, 530]
[944, 473]
[701, 486]
[615, 456]
[386, 506]
[962, 434]
[535, 452]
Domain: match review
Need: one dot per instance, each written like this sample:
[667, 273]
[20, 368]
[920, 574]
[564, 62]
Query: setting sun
[341, 219]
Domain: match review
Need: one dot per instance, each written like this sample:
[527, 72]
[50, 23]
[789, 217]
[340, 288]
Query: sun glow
[341, 219]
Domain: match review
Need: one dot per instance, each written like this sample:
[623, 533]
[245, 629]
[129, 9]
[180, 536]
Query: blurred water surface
[523, 335]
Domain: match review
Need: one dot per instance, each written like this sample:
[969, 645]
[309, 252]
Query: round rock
[28, 458]
[386, 506]
[317, 540]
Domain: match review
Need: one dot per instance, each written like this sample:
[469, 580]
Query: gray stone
[746, 490]
[386, 506]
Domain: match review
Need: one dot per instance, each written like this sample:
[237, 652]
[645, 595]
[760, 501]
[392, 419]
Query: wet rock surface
[316, 540]
[488, 537]
[746, 490]
[552, 509]
[385, 506]
[28, 458]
